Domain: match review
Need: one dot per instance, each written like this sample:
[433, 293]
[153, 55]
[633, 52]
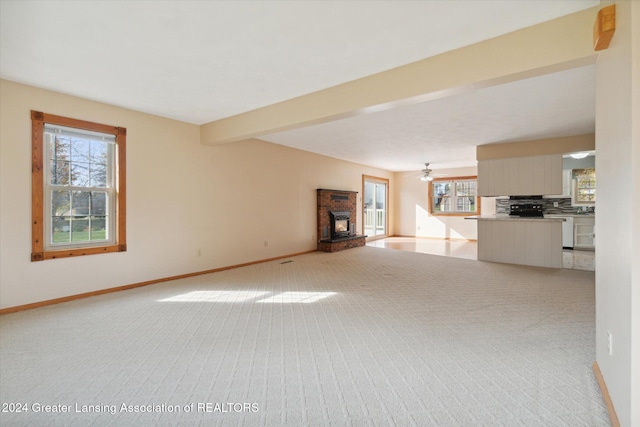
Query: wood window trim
[454, 178]
[38, 252]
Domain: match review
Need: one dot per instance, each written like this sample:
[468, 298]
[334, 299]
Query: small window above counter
[583, 187]
[579, 185]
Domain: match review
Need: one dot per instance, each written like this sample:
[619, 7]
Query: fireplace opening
[340, 224]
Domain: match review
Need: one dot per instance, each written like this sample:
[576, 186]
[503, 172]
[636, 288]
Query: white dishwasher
[567, 232]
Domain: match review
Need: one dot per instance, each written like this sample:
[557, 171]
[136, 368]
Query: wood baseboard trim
[138, 285]
[605, 394]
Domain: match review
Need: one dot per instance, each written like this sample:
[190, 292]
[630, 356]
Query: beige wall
[182, 197]
[635, 226]
[411, 203]
[618, 218]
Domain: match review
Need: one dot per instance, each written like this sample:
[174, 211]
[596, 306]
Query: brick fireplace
[337, 213]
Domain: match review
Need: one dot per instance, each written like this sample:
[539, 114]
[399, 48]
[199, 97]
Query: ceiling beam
[551, 46]
[537, 147]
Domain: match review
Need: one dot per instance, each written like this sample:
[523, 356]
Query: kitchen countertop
[574, 215]
[503, 217]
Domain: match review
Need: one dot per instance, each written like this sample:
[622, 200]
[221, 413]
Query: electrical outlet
[266, 243]
[198, 252]
[610, 343]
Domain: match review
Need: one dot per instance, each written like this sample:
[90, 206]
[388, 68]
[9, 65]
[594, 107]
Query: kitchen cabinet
[521, 176]
[584, 236]
[567, 232]
[526, 241]
[566, 187]
[566, 183]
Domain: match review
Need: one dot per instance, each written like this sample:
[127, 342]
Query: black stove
[526, 210]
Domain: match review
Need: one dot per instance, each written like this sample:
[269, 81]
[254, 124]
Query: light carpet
[363, 337]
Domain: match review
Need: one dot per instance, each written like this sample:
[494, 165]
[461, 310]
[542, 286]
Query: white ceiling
[199, 61]
[445, 132]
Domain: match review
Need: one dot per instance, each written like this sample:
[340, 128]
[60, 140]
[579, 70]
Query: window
[584, 191]
[454, 196]
[78, 187]
[376, 206]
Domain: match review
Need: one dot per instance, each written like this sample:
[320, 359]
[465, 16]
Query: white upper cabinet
[521, 176]
[566, 186]
[566, 183]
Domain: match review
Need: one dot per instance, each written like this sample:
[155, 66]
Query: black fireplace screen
[340, 224]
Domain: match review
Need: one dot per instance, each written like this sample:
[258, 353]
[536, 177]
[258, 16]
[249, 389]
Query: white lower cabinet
[584, 235]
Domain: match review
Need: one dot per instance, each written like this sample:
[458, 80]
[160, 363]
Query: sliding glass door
[375, 201]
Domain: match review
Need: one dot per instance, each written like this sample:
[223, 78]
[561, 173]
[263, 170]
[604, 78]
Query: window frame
[387, 213]
[589, 175]
[453, 181]
[39, 252]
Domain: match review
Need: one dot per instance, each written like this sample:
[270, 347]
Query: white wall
[182, 197]
[411, 209]
[587, 162]
[617, 221]
[635, 226]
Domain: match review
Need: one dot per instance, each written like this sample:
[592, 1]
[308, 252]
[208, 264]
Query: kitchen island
[533, 241]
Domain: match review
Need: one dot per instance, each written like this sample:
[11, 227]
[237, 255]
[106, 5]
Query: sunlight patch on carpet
[298, 297]
[243, 296]
[215, 296]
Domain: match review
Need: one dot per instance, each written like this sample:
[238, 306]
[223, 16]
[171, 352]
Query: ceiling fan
[428, 175]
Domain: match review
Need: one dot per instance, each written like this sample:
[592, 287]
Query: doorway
[375, 204]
